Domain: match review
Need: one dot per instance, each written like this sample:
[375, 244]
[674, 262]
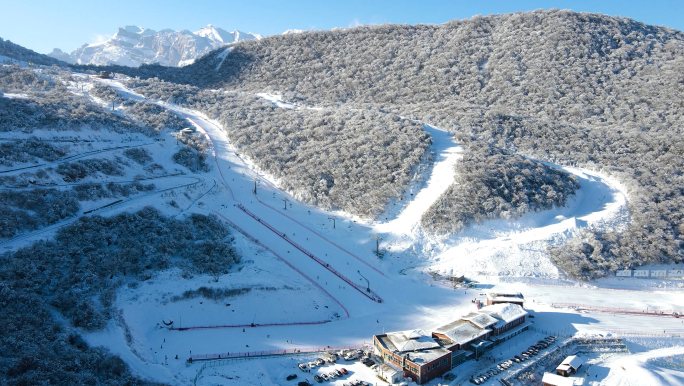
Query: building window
[444, 362]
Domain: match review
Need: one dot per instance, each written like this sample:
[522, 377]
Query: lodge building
[423, 356]
[500, 298]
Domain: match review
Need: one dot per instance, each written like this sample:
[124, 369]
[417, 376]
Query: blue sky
[43, 25]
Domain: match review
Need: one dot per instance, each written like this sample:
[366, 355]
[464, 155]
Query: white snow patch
[277, 100]
[221, 56]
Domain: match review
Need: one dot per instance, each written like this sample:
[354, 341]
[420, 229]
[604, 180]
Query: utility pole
[333, 218]
[285, 200]
[367, 282]
[256, 179]
[377, 239]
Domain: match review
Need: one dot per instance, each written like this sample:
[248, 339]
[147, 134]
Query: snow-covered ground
[518, 247]
[299, 289]
[638, 367]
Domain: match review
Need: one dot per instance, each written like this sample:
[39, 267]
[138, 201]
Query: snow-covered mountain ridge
[132, 46]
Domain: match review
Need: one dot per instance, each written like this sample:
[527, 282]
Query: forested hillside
[15, 52]
[65, 149]
[356, 160]
[581, 89]
[78, 274]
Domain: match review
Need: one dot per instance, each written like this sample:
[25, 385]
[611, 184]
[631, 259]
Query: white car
[351, 356]
[312, 365]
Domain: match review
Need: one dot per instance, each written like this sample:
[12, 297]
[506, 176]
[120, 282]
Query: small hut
[569, 366]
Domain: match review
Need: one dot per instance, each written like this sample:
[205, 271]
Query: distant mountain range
[133, 46]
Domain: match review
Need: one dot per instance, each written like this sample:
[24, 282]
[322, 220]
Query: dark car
[369, 363]
[291, 377]
[304, 383]
[318, 379]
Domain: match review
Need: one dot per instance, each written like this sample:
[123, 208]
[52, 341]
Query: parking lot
[357, 372]
[506, 352]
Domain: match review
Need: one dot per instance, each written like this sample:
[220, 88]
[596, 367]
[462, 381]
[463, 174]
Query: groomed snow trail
[518, 247]
[497, 247]
[442, 176]
[228, 166]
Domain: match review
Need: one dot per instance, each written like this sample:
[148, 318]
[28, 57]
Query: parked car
[332, 357]
[304, 383]
[318, 379]
[291, 377]
[320, 361]
[332, 375]
[302, 366]
[369, 363]
[344, 371]
[312, 365]
[338, 373]
[351, 356]
[325, 377]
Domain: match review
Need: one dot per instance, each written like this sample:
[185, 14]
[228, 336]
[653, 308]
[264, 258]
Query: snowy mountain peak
[138, 30]
[219, 35]
[133, 45]
[60, 55]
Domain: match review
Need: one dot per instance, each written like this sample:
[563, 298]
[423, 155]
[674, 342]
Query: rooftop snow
[412, 340]
[505, 297]
[572, 361]
[507, 312]
[482, 320]
[462, 332]
[427, 356]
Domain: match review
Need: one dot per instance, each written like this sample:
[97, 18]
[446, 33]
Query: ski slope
[410, 299]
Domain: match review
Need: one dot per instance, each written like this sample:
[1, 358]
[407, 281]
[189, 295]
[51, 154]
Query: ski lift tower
[377, 239]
